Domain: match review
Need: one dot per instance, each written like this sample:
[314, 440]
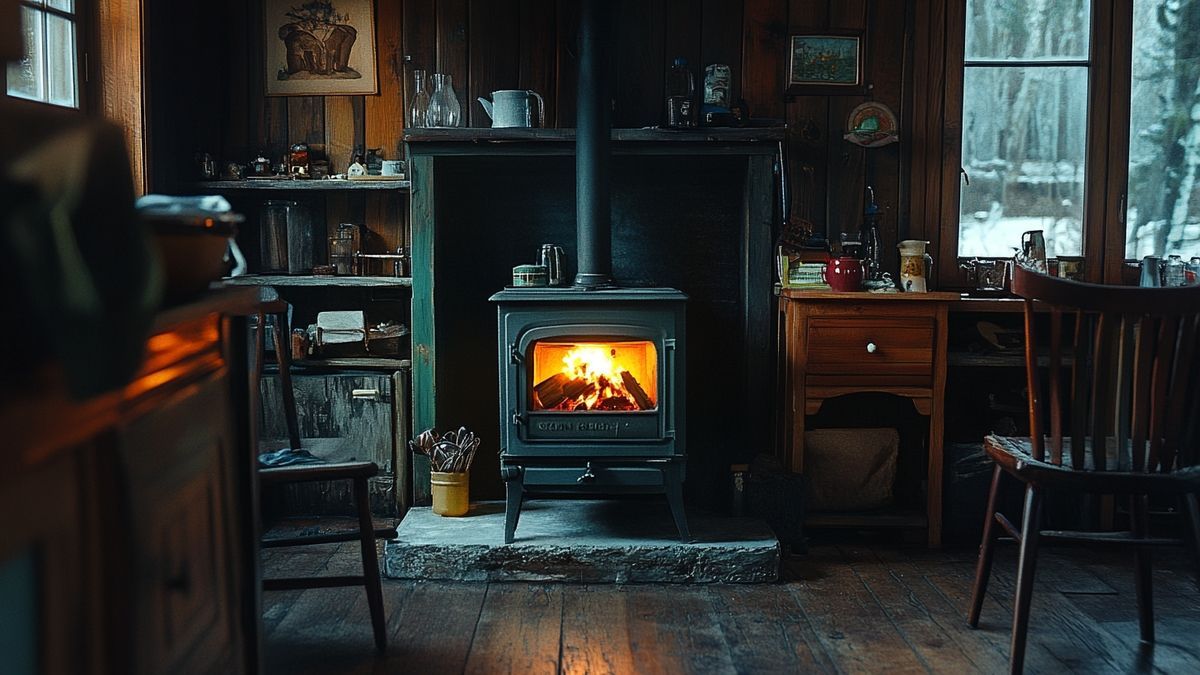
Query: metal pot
[990, 275]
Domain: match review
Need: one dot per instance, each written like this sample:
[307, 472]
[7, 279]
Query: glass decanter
[419, 106]
[444, 110]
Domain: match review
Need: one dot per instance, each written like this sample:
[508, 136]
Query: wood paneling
[494, 44]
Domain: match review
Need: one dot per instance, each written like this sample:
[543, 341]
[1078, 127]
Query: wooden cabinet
[127, 546]
[836, 344]
[344, 417]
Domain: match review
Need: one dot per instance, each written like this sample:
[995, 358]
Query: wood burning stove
[592, 383]
[592, 394]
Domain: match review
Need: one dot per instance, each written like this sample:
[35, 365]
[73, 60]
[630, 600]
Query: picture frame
[319, 47]
[829, 62]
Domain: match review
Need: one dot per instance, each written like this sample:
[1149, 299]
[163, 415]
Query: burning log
[639, 395]
[559, 388]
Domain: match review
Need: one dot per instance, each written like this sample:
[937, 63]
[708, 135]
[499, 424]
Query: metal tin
[716, 84]
[530, 275]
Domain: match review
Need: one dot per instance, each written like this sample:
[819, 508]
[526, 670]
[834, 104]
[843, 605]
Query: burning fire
[592, 378]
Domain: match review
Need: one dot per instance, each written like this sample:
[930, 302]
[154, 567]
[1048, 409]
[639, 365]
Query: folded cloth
[288, 457]
[175, 205]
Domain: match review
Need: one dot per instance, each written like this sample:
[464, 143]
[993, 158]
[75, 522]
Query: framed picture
[826, 63]
[319, 47]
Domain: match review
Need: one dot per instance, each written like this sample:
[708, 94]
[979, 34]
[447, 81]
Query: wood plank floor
[844, 608]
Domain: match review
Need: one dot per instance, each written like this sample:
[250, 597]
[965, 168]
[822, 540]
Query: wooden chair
[1133, 389]
[357, 472]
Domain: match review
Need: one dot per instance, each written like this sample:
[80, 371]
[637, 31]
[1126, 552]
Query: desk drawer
[870, 345]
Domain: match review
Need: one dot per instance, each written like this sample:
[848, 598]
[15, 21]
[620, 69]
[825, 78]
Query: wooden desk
[845, 343]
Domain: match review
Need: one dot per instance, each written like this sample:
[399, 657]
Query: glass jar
[298, 159]
[419, 106]
[1174, 272]
[342, 246]
[444, 110]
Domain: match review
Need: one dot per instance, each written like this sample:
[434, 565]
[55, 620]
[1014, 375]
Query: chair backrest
[1132, 380]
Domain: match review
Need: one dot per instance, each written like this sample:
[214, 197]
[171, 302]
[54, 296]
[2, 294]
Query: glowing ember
[592, 378]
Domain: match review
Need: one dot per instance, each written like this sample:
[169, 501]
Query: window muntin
[49, 71]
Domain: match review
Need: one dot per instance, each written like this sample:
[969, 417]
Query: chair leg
[1030, 526]
[1191, 505]
[283, 357]
[1139, 514]
[987, 548]
[370, 560]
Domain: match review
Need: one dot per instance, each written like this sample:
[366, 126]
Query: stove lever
[518, 419]
[588, 476]
[517, 356]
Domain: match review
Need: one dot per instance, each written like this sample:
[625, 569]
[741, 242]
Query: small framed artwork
[319, 47]
[826, 63]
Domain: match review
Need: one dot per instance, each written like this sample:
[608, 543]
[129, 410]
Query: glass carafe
[444, 110]
[419, 106]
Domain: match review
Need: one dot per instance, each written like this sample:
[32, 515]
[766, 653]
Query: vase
[444, 110]
[915, 266]
[418, 108]
[451, 496]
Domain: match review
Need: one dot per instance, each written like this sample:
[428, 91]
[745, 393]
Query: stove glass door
[593, 375]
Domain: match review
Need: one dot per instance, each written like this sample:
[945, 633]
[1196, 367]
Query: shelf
[309, 281]
[870, 519]
[646, 134]
[1016, 359]
[307, 185]
[359, 362]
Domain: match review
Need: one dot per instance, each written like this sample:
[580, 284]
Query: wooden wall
[495, 44]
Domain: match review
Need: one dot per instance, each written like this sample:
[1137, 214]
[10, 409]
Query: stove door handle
[587, 477]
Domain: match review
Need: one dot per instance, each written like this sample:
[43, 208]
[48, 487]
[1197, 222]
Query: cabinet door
[44, 600]
[343, 417]
[175, 461]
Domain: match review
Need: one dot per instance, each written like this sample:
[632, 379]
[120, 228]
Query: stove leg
[514, 488]
[673, 479]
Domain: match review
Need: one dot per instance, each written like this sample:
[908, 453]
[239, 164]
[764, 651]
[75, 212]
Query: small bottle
[681, 92]
[420, 102]
[869, 236]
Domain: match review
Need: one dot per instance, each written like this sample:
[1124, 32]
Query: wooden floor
[849, 607]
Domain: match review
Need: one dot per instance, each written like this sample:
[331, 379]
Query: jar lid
[530, 269]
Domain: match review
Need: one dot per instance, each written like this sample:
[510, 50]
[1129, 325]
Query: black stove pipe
[593, 129]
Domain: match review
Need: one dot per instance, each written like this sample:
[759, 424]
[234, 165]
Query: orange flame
[596, 376]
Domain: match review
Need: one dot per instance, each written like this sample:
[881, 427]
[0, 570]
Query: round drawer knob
[871, 348]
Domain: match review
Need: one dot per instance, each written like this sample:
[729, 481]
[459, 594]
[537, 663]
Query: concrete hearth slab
[582, 541]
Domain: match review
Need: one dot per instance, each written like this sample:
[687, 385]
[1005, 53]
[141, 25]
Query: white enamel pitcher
[509, 108]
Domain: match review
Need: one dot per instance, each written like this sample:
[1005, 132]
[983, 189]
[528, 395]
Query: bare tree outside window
[1163, 215]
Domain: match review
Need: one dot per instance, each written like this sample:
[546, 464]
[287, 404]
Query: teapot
[509, 108]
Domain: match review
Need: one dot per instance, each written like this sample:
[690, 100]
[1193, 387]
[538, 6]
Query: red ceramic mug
[844, 273]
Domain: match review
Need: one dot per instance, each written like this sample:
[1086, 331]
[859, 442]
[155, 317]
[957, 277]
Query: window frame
[1107, 153]
[79, 17]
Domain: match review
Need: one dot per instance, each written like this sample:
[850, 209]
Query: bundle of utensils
[452, 453]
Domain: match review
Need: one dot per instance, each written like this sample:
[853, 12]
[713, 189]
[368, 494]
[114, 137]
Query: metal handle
[872, 348]
[366, 394]
[541, 106]
[966, 176]
[588, 476]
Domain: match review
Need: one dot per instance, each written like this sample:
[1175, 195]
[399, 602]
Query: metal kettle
[509, 108]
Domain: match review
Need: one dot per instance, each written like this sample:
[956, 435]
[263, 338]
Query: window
[1163, 198]
[1080, 118]
[49, 72]
[1024, 125]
